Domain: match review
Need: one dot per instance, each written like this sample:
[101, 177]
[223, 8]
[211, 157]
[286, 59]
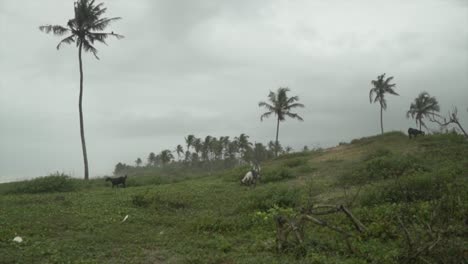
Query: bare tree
[451, 119]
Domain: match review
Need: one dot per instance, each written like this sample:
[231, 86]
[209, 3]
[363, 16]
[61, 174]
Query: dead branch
[285, 226]
[452, 119]
[428, 247]
[359, 226]
[407, 236]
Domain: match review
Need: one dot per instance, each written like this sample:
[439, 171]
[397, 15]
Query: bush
[382, 165]
[274, 175]
[391, 166]
[279, 196]
[421, 186]
[57, 182]
[159, 202]
[144, 180]
[378, 153]
[296, 162]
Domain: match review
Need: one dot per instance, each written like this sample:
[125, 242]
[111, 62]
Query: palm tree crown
[85, 28]
[281, 105]
[423, 106]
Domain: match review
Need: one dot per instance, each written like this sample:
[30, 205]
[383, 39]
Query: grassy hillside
[406, 192]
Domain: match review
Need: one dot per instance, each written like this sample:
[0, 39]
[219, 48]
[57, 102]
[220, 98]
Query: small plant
[269, 215]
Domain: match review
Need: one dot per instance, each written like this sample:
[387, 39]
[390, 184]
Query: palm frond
[67, 40]
[265, 115]
[388, 80]
[292, 99]
[100, 37]
[390, 90]
[55, 29]
[118, 36]
[267, 106]
[371, 93]
[295, 105]
[294, 116]
[98, 10]
[101, 24]
[272, 98]
[89, 48]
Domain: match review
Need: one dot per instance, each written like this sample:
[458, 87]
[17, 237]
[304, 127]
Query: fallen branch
[285, 226]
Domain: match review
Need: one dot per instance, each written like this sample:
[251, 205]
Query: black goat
[415, 132]
[117, 181]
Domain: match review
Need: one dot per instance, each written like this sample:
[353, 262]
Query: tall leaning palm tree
[381, 87]
[281, 106]
[423, 106]
[85, 28]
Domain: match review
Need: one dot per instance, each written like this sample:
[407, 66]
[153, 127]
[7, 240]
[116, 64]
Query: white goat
[252, 176]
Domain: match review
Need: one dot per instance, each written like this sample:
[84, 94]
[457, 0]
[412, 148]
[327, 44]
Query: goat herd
[250, 178]
[253, 175]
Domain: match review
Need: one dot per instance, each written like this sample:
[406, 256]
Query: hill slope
[410, 194]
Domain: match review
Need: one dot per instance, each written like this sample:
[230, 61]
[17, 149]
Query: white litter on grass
[18, 239]
[125, 219]
[161, 233]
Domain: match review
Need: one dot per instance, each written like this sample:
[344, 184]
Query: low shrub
[296, 162]
[422, 186]
[158, 202]
[275, 175]
[277, 196]
[57, 182]
[382, 165]
[392, 166]
[378, 153]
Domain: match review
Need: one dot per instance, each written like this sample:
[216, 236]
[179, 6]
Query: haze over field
[201, 68]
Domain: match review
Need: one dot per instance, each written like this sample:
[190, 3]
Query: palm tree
[232, 149]
[84, 29]
[224, 141]
[197, 145]
[206, 148]
[151, 159]
[243, 145]
[281, 106]
[381, 87]
[189, 140]
[166, 156]
[423, 106]
[138, 162]
[179, 150]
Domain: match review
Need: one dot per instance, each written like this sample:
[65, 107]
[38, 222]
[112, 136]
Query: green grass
[199, 218]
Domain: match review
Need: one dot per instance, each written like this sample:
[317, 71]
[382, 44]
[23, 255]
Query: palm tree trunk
[381, 119]
[83, 142]
[277, 131]
[420, 125]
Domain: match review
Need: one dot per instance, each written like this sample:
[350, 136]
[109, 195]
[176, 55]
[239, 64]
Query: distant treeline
[210, 153]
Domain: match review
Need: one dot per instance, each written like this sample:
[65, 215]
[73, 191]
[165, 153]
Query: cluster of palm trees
[424, 107]
[210, 150]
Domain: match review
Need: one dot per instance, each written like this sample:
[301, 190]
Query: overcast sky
[201, 67]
